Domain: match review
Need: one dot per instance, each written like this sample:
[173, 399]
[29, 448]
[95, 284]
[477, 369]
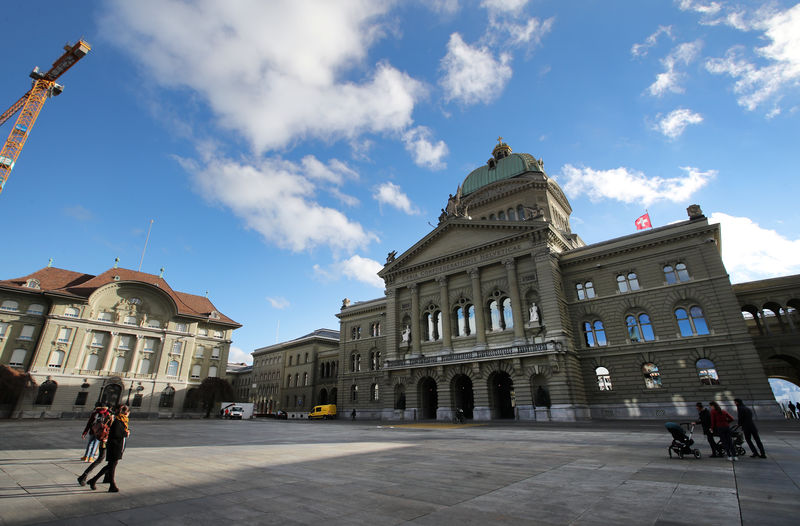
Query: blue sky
[284, 148]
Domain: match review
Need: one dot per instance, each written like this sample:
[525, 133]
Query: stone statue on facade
[534, 313]
[533, 212]
[390, 256]
[345, 303]
[406, 335]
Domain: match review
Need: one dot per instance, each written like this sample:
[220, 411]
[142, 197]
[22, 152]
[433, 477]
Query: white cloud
[424, 151]
[641, 50]
[390, 194]
[708, 8]
[675, 122]
[630, 186]
[751, 252]
[356, 267]
[757, 84]
[276, 198]
[503, 6]
[279, 303]
[442, 6]
[78, 212]
[670, 78]
[237, 355]
[272, 71]
[472, 74]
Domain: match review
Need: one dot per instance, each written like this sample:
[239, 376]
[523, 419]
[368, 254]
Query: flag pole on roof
[145, 244]
[643, 222]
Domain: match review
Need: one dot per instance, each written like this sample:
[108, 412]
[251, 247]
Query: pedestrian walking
[353, 415]
[705, 420]
[93, 445]
[114, 448]
[749, 428]
[720, 425]
[100, 429]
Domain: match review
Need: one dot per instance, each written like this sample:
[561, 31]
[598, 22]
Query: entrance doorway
[428, 398]
[461, 389]
[323, 396]
[111, 394]
[501, 391]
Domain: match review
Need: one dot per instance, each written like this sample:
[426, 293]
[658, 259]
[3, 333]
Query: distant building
[122, 337]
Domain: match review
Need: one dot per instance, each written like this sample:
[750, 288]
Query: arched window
[305, 358]
[433, 324]
[627, 282]
[355, 363]
[652, 378]
[501, 215]
[289, 380]
[172, 368]
[465, 320]
[354, 393]
[707, 372]
[35, 309]
[676, 274]
[297, 379]
[594, 334]
[508, 316]
[511, 215]
[374, 360]
[305, 378]
[9, 305]
[290, 360]
[196, 370]
[56, 359]
[691, 323]
[167, 397]
[639, 328]
[603, 378]
[373, 392]
[18, 358]
[585, 290]
[46, 393]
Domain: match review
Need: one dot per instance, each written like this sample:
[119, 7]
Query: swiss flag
[643, 222]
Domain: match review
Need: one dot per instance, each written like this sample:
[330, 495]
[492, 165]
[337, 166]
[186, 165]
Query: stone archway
[333, 394]
[501, 391]
[461, 394]
[323, 396]
[428, 397]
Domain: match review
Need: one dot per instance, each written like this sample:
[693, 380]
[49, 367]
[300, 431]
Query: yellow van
[323, 411]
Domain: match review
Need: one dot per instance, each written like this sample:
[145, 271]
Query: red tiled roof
[61, 281]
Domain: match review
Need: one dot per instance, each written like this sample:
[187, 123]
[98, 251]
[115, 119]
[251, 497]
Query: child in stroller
[738, 442]
[681, 439]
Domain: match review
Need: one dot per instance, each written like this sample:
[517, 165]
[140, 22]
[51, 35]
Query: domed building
[505, 313]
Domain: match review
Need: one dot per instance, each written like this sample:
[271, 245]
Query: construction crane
[44, 87]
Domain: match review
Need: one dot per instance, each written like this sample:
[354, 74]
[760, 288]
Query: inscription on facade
[486, 354]
[461, 263]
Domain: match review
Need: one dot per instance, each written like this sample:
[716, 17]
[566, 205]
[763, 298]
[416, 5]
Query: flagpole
[145, 245]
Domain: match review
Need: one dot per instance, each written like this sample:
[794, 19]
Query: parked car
[236, 412]
[323, 411]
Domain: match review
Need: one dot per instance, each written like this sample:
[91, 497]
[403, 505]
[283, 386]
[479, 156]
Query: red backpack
[101, 426]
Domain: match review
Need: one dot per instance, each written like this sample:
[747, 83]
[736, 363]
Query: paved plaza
[340, 472]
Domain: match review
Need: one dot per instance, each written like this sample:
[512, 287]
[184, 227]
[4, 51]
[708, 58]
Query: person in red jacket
[720, 425]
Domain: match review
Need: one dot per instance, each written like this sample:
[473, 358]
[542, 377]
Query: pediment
[460, 237]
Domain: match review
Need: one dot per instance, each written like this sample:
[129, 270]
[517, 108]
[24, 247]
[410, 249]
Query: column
[444, 305]
[516, 305]
[135, 355]
[477, 300]
[161, 357]
[110, 351]
[81, 354]
[390, 330]
[415, 321]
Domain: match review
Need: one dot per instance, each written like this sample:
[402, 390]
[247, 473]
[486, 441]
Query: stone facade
[123, 337]
[503, 312]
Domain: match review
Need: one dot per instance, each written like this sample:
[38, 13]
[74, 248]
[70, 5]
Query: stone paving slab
[198, 472]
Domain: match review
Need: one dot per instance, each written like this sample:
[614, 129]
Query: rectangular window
[98, 339]
[176, 347]
[199, 352]
[125, 341]
[149, 345]
[81, 398]
[180, 327]
[27, 333]
[137, 400]
[104, 316]
[3, 330]
[63, 334]
[215, 352]
[129, 320]
[217, 334]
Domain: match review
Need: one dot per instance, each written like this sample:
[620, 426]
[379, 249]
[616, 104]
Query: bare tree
[213, 390]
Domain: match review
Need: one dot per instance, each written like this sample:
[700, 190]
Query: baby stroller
[738, 443]
[681, 439]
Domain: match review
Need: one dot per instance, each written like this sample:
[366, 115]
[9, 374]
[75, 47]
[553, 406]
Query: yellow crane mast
[30, 104]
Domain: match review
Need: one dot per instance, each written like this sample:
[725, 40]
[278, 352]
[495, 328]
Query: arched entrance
[111, 394]
[333, 395]
[501, 390]
[400, 397]
[461, 390]
[428, 398]
[323, 396]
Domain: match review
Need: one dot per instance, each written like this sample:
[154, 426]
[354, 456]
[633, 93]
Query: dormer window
[105, 316]
[214, 315]
[71, 312]
[130, 320]
[180, 327]
[33, 284]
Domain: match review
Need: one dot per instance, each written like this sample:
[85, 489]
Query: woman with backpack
[98, 428]
[114, 448]
[720, 426]
[92, 447]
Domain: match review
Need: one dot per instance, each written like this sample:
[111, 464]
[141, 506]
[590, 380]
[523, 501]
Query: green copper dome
[498, 169]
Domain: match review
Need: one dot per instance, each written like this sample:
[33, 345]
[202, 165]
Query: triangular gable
[459, 236]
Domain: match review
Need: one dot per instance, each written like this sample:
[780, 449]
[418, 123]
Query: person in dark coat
[749, 428]
[114, 448]
[705, 421]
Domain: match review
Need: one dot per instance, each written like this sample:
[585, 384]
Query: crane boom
[30, 104]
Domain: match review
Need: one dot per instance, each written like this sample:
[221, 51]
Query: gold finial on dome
[501, 150]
